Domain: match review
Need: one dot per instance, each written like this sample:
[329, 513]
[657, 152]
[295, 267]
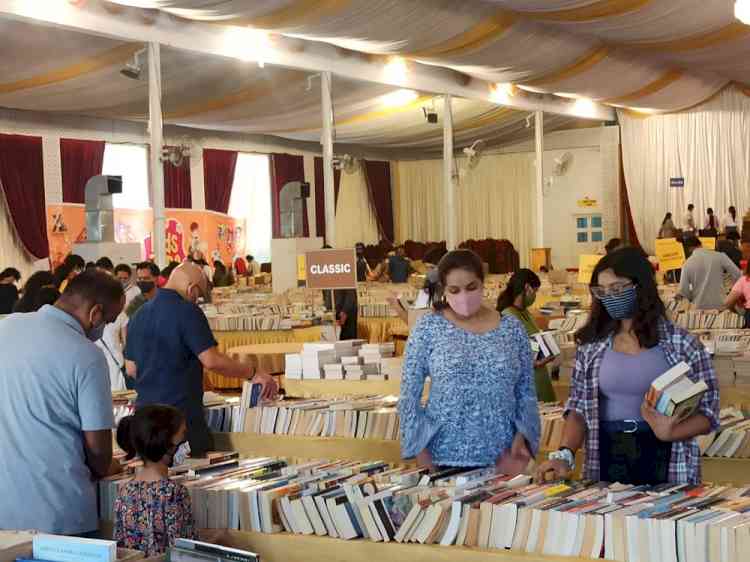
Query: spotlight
[430, 115]
[133, 69]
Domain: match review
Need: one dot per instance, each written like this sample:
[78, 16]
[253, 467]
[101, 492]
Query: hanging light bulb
[742, 11]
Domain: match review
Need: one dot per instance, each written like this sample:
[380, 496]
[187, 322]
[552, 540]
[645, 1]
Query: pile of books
[544, 345]
[186, 550]
[236, 323]
[476, 508]
[343, 360]
[375, 310]
[551, 417]
[707, 320]
[674, 394]
[732, 440]
[373, 417]
[742, 369]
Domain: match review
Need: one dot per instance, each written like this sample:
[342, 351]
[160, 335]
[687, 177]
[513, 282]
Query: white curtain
[418, 199]
[250, 202]
[709, 146]
[494, 199]
[355, 220]
[12, 252]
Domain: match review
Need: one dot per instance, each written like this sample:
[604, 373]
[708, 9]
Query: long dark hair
[632, 264]
[667, 217]
[516, 286]
[31, 290]
[711, 218]
[733, 212]
[457, 259]
[149, 432]
[72, 261]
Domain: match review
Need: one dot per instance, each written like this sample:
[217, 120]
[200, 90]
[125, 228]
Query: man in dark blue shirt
[399, 266]
[170, 342]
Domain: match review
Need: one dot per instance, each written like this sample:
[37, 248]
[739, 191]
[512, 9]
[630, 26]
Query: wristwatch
[564, 454]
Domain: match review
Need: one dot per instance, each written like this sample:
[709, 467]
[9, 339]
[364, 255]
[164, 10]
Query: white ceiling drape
[708, 146]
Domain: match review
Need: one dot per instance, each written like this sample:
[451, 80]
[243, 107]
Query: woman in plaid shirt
[627, 343]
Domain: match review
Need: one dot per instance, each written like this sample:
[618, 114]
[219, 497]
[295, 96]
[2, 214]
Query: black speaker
[114, 184]
[304, 190]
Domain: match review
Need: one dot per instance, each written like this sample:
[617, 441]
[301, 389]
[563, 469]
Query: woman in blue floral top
[151, 511]
[482, 409]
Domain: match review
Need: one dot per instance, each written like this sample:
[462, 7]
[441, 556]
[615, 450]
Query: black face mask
[146, 286]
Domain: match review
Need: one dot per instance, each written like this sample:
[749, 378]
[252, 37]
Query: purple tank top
[624, 380]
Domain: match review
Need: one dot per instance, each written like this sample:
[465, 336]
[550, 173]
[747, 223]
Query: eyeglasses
[611, 291]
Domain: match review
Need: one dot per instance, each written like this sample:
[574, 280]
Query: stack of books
[475, 508]
[374, 352]
[674, 394]
[732, 440]
[373, 417]
[544, 345]
[551, 416]
[186, 550]
[707, 320]
[341, 360]
[742, 369]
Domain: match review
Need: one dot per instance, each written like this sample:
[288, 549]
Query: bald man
[170, 342]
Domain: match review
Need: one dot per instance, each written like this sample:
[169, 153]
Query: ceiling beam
[312, 56]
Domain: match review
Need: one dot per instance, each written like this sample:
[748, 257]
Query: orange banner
[218, 236]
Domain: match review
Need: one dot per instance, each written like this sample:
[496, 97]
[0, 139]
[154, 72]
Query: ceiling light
[584, 107]
[395, 70]
[502, 92]
[398, 98]
[247, 44]
[742, 11]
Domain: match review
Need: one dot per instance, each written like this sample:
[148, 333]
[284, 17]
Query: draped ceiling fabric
[708, 145]
[80, 160]
[659, 55]
[22, 181]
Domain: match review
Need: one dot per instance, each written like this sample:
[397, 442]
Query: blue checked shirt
[678, 345]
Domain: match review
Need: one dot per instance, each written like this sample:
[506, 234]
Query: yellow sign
[301, 269]
[587, 202]
[586, 265]
[669, 253]
[708, 243]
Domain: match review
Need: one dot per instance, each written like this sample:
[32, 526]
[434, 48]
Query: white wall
[593, 173]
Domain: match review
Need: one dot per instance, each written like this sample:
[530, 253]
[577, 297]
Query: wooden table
[268, 357]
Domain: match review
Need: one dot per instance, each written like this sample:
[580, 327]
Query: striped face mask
[620, 306]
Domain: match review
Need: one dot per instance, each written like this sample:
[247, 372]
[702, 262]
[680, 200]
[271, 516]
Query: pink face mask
[465, 303]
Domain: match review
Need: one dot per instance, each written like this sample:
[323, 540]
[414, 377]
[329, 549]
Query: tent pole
[326, 139]
[449, 209]
[539, 173]
[156, 132]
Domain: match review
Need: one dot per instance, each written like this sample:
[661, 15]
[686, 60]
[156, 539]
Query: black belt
[625, 426]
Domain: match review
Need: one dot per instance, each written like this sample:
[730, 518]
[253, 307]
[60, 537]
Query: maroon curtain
[80, 161]
[628, 232]
[286, 168]
[22, 179]
[320, 198]
[177, 194]
[378, 176]
[218, 177]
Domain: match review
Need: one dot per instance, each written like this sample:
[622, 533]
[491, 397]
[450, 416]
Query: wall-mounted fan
[346, 163]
